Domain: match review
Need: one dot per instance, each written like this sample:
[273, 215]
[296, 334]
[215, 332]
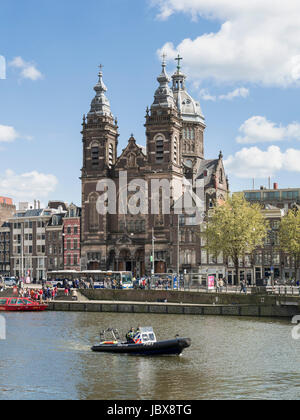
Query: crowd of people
[46, 294]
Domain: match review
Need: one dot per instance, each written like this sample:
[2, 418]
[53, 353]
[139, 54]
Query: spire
[100, 104]
[178, 59]
[178, 77]
[164, 96]
[189, 109]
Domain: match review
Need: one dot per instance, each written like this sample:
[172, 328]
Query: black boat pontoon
[143, 343]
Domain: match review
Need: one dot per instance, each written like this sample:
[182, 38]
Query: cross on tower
[101, 67]
[164, 56]
[178, 59]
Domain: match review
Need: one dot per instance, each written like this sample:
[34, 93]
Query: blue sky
[243, 68]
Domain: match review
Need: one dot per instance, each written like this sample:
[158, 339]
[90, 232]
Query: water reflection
[48, 356]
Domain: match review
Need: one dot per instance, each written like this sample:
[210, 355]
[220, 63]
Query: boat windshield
[23, 302]
[13, 301]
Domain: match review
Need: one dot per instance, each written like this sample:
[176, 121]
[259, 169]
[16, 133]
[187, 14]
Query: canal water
[47, 356]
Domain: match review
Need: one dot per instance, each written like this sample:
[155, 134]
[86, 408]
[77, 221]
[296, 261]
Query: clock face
[188, 163]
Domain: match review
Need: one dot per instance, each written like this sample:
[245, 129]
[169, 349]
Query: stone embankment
[183, 303]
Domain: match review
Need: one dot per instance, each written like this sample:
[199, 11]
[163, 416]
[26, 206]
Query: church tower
[193, 123]
[100, 135]
[163, 128]
[100, 141]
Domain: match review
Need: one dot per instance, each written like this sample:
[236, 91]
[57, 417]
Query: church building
[147, 242]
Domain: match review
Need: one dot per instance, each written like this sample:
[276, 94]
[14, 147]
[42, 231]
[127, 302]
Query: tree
[235, 229]
[289, 236]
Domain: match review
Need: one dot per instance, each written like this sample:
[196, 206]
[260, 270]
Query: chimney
[39, 204]
[275, 186]
[34, 204]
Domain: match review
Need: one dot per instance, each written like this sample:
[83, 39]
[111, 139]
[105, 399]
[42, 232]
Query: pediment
[130, 155]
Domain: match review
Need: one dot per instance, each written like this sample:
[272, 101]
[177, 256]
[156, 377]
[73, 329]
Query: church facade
[159, 241]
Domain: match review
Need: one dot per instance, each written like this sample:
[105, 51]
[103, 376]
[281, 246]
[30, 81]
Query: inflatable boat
[143, 343]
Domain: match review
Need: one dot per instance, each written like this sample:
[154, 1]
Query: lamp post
[22, 250]
[153, 253]
[272, 243]
[178, 253]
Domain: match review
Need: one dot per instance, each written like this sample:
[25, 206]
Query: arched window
[221, 177]
[95, 154]
[192, 134]
[175, 150]
[159, 149]
[110, 155]
[93, 214]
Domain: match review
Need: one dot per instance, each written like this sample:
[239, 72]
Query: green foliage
[289, 234]
[235, 228]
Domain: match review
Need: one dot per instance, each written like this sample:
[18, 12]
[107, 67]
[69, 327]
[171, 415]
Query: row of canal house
[34, 241]
[43, 239]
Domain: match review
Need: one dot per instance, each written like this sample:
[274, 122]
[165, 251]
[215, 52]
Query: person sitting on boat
[130, 335]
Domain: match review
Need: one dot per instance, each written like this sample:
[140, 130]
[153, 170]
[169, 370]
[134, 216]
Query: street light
[153, 253]
[178, 253]
[271, 235]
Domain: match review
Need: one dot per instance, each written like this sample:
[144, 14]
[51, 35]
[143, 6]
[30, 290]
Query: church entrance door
[160, 267]
[93, 266]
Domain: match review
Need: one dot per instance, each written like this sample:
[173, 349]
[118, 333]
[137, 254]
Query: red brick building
[72, 235]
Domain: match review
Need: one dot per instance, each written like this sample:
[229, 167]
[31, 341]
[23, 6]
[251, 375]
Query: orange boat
[21, 305]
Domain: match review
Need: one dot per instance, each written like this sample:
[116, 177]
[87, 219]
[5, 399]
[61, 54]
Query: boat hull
[170, 347]
[21, 305]
[28, 308]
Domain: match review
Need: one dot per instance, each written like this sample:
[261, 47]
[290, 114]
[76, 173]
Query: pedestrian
[221, 285]
[74, 295]
[242, 286]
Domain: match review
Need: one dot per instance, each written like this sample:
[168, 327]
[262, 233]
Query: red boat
[21, 305]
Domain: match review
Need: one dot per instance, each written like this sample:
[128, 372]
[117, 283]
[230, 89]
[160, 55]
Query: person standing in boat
[130, 335]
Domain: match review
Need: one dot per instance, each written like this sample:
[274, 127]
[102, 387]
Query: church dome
[189, 108]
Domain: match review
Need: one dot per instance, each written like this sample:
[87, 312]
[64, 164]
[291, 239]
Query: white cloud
[8, 134]
[206, 96]
[258, 41]
[239, 92]
[27, 186]
[28, 70]
[258, 129]
[2, 67]
[256, 163]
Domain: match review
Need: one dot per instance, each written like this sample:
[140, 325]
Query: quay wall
[186, 297]
[279, 311]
